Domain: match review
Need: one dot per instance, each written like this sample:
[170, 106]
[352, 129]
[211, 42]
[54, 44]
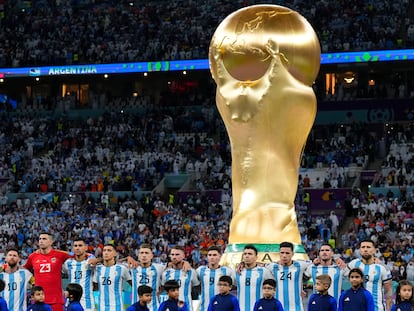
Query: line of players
[107, 276]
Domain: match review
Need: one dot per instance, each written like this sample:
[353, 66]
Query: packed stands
[127, 31]
[84, 161]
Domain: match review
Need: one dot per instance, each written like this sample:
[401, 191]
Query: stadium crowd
[126, 31]
[105, 154]
[132, 152]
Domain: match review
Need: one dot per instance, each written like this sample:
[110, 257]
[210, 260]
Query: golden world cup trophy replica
[264, 59]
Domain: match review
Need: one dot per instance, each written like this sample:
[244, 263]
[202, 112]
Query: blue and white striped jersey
[249, 286]
[187, 281]
[16, 288]
[209, 282]
[375, 276]
[110, 281]
[150, 276]
[334, 271]
[289, 283]
[80, 272]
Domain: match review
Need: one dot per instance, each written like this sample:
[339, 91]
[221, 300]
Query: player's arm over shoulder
[29, 263]
[304, 264]
[126, 275]
[63, 255]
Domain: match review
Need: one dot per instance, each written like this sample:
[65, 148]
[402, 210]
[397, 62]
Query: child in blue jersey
[404, 297]
[3, 303]
[268, 302]
[144, 298]
[224, 301]
[38, 296]
[172, 303]
[74, 293]
[321, 300]
[357, 298]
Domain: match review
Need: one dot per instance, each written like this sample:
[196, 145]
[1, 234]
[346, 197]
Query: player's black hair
[214, 248]
[286, 244]
[251, 246]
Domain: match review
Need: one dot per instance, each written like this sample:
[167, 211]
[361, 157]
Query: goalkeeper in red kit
[46, 265]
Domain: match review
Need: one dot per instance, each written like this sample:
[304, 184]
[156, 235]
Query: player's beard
[367, 257]
[12, 265]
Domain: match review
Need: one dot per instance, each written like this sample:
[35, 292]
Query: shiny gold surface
[264, 59]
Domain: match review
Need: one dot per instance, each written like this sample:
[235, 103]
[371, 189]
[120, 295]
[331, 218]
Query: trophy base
[266, 253]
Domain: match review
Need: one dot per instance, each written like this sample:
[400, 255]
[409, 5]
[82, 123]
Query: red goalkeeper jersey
[47, 270]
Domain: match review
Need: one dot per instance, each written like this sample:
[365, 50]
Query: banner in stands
[195, 64]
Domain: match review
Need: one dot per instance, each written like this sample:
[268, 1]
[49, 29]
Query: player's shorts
[57, 307]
